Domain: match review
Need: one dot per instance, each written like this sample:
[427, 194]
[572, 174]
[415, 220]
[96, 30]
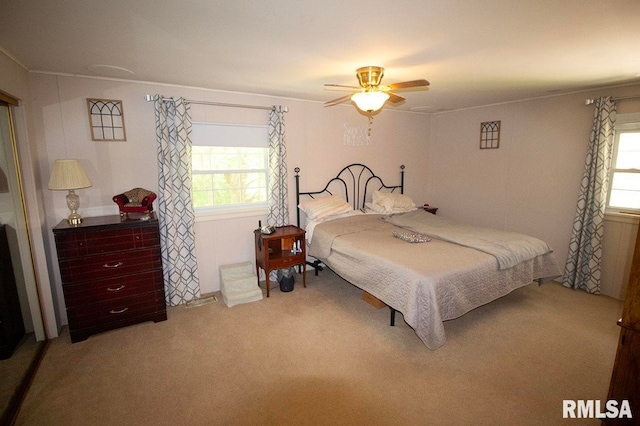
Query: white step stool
[239, 284]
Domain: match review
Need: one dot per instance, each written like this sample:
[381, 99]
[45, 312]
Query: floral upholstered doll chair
[137, 200]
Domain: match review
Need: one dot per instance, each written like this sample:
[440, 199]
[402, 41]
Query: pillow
[320, 208]
[388, 202]
[375, 208]
[369, 208]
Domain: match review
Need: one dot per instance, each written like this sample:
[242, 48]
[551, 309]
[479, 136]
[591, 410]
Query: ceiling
[474, 52]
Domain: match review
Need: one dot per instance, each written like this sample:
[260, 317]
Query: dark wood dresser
[111, 273]
[625, 379]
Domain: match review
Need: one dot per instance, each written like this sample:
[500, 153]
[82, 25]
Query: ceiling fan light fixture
[370, 96]
[369, 101]
[370, 76]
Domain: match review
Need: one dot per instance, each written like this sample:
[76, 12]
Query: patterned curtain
[278, 209]
[176, 216]
[582, 269]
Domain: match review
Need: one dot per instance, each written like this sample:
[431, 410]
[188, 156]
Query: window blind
[234, 135]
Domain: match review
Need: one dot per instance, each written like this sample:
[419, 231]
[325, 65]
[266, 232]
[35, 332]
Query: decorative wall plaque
[490, 135]
[106, 119]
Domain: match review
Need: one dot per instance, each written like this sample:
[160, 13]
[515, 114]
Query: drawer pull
[118, 311]
[115, 265]
[120, 287]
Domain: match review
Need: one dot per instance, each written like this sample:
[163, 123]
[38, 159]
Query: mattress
[429, 282]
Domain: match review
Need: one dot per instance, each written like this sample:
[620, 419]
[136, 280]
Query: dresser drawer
[285, 262]
[113, 312]
[71, 245]
[95, 291]
[80, 334]
[109, 265]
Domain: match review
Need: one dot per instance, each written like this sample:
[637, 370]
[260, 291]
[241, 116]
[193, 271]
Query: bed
[426, 267]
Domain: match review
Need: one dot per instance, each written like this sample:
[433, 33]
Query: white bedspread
[427, 282]
[509, 248]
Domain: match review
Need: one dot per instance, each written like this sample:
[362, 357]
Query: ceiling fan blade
[395, 98]
[337, 101]
[340, 86]
[407, 84]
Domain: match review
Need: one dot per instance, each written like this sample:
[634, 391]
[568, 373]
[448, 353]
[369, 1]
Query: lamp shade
[370, 101]
[68, 174]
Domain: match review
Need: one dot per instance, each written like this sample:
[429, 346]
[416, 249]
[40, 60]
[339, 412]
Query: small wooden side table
[282, 249]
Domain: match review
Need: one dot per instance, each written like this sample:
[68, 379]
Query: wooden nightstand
[430, 209]
[275, 251]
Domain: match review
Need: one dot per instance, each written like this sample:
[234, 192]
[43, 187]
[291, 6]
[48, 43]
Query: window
[230, 166]
[624, 182]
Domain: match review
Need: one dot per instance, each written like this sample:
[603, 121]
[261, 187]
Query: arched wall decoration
[490, 135]
[106, 119]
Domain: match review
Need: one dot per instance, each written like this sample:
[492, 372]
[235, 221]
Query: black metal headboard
[353, 182]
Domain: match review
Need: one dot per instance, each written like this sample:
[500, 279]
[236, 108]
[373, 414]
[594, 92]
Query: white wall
[531, 183]
[617, 248]
[314, 137]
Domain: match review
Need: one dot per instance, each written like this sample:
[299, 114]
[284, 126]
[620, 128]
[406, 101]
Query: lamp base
[74, 219]
[73, 202]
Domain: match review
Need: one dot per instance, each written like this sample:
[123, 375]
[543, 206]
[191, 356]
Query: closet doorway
[22, 336]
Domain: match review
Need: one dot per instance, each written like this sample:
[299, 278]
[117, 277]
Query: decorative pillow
[320, 208]
[388, 202]
[136, 195]
[411, 237]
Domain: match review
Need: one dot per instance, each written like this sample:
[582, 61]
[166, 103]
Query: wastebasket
[287, 279]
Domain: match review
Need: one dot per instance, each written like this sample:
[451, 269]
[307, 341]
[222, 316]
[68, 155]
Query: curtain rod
[150, 98]
[621, 98]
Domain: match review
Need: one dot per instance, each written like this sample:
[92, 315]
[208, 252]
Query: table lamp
[69, 175]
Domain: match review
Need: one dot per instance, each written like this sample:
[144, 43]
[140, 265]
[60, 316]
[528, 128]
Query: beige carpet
[321, 355]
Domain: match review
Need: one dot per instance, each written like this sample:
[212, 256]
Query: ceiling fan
[370, 96]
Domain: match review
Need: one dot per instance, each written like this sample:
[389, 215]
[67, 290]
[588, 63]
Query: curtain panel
[584, 259]
[278, 214]
[175, 211]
